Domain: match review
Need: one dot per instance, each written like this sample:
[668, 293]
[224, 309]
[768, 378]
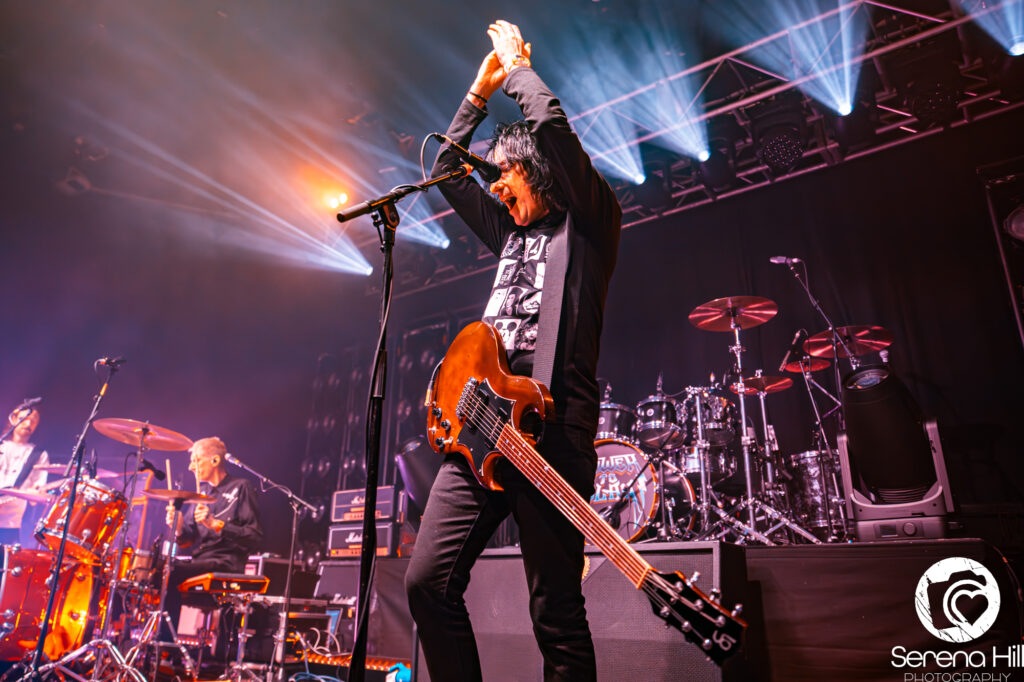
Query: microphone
[796, 347]
[28, 403]
[146, 465]
[231, 458]
[113, 363]
[488, 171]
[784, 260]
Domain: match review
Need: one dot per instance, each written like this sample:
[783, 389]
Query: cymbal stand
[102, 646]
[702, 448]
[833, 481]
[151, 630]
[745, 440]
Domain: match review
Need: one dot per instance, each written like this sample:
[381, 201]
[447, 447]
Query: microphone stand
[386, 220]
[76, 464]
[836, 340]
[297, 504]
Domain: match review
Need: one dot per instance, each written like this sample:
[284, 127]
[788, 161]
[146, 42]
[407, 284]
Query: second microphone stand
[298, 505]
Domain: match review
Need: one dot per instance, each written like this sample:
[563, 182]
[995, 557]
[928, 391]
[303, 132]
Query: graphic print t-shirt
[514, 306]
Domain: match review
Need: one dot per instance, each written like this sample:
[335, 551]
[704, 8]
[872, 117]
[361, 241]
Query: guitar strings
[488, 419]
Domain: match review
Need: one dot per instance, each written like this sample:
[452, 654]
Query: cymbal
[762, 384]
[133, 432]
[806, 363]
[60, 468]
[858, 340]
[186, 496]
[28, 495]
[747, 311]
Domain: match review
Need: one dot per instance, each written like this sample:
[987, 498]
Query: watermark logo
[957, 599]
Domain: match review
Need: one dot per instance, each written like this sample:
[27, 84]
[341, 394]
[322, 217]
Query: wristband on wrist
[479, 98]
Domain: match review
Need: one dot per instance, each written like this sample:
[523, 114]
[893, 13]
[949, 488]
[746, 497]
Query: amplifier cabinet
[350, 505]
[346, 539]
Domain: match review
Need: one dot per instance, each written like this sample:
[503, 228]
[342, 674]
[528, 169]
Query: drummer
[21, 466]
[221, 534]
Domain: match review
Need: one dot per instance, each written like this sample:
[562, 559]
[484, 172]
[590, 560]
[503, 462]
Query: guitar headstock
[702, 620]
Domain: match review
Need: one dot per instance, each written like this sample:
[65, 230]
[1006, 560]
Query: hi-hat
[722, 314]
[134, 432]
[762, 384]
[186, 496]
[855, 340]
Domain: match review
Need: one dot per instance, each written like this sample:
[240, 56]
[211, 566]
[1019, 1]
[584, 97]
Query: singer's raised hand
[509, 46]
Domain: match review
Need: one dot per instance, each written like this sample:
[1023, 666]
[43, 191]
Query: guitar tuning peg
[715, 594]
[692, 580]
[706, 644]
[737, 610]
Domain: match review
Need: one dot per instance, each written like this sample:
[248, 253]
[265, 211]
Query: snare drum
[95, 519]
[660, 422]
[618, 463]
[24, 592]
[615, 422]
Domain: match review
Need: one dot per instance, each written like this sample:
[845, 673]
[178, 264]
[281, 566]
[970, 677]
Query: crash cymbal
[134, 432]
[185, 496]
[806, 363]
[857, 340]
[747, 311]
[28, 495]
[762, 384]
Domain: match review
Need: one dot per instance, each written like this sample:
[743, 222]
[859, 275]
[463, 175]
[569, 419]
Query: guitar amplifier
[276, 569]
[346, 539]
[350, 505]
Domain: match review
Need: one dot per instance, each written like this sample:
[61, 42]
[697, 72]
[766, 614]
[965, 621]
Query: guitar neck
[550, 483]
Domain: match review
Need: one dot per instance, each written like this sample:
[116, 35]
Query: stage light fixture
[780, 132]
[717, 172]
[894, 474]
[928, 80]
[1014, 224]
[655, 192]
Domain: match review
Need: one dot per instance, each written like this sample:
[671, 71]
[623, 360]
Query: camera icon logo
[957, 599]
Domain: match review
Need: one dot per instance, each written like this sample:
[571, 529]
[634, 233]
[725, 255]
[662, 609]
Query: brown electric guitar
[477, 408]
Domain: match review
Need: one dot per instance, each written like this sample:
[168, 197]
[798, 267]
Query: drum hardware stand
[237, 671]
[833, 485]
[75, 464]
[151, 630]
[298, 506]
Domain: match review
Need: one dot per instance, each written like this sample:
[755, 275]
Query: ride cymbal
[806, 363]
[721, 314]
[850, 341]
[134, 432]
[762, 384]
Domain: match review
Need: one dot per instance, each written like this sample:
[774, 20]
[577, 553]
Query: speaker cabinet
[630, 641]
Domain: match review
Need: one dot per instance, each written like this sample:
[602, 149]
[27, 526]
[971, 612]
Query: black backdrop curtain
[900, 239]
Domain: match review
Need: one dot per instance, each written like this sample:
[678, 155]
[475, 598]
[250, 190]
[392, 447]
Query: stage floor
[815, 613]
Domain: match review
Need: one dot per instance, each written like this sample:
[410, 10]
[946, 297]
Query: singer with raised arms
[221, 534]
[553, 223]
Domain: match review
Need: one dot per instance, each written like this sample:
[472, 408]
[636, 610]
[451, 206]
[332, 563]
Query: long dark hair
[519, 146]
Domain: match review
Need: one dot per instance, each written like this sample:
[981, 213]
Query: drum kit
[667, 467]
[104, 590]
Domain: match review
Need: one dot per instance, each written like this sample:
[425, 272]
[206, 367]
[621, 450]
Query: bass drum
[618, 463]
[635, 514]
[24, 592]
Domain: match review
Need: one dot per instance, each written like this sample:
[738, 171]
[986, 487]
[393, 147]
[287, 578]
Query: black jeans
[460, 517]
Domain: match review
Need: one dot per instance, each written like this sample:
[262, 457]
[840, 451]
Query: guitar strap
[26, 469]
[551, 304]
